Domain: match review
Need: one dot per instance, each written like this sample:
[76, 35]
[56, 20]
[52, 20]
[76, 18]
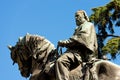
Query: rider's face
[79, 16]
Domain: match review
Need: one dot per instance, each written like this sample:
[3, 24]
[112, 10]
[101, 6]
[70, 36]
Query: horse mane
[37, 45]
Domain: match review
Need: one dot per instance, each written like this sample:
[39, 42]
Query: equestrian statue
[38, 58]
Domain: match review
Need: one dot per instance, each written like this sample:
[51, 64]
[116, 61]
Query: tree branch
[111, 35]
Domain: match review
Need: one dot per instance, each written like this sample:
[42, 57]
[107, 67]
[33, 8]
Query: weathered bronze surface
[38, 58]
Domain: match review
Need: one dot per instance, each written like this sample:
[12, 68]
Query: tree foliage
[105, 19]
[112, 46]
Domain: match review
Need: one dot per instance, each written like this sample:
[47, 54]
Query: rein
[58, 51]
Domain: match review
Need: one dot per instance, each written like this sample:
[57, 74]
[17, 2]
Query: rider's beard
[80, 21]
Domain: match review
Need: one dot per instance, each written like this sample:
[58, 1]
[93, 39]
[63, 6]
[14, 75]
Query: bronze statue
[38, 58]
[35, 55]
[80, 46]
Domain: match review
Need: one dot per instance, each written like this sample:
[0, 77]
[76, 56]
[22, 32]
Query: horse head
[28, 48]
[18, 56]
[21, 55]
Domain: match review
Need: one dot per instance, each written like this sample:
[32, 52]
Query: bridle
[23, 58]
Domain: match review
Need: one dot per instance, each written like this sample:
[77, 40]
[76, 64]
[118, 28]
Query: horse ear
[10, 47]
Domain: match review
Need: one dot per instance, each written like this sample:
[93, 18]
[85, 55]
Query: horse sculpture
[36, 57]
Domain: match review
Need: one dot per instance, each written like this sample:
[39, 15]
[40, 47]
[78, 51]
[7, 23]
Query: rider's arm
[66, 43]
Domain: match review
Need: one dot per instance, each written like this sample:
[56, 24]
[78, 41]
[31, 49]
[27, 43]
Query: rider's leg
[63, 65]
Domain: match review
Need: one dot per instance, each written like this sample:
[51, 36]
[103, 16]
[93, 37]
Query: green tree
[106, 18]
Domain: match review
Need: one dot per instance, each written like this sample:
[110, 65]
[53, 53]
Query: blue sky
[53, 19]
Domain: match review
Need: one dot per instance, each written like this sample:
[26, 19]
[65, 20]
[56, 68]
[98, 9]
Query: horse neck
[41, 46]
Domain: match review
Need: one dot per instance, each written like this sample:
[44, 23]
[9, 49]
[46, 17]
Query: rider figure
[80, 46]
